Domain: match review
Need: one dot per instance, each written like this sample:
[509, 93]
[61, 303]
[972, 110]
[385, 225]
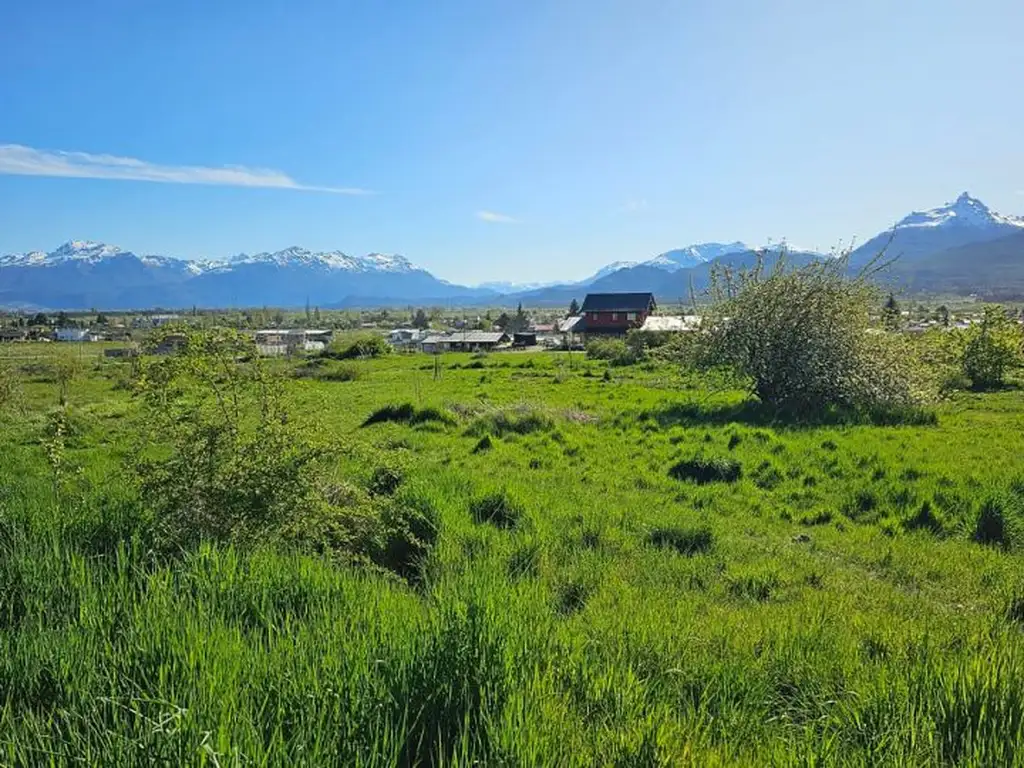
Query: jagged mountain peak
[965, 211]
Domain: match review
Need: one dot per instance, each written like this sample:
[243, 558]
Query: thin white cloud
[19, 160]
[495, 218]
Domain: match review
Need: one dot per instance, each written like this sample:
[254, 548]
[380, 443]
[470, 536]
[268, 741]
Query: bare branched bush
[803, 339]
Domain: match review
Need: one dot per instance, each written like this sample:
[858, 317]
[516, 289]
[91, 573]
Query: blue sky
[500, 139]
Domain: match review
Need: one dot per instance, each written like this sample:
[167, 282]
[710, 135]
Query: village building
[276, 342]
[75, 334]
[614, 314]
[13, 334]
[464, 341]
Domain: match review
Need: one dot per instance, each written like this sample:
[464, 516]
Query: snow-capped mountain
[300, 257]
[924, 233]
[965, 211]
[83, 274]
[692, 255]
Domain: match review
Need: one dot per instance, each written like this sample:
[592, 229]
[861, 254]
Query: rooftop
[618, 302]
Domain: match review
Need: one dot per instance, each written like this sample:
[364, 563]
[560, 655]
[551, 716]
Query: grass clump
[518, 419]
[685, 541]
[702, 471]
[407, 413]
[1000, 519]
[498, 508]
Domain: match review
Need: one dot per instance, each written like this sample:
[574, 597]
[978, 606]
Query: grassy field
[632, 568]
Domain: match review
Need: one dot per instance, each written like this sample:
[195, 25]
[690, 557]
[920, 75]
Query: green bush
[802, 339]
[360, 346]
[991, 348]
[615, 351]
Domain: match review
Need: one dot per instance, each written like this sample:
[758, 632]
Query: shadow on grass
[407, 413]
[756, 413]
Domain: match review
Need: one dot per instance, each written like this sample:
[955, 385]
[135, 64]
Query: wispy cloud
[632, 206]
[495, 218]
[19, 160]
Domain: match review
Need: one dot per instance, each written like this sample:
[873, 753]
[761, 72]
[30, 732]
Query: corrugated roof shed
[570, 324]
[671, 323]
[618, 302]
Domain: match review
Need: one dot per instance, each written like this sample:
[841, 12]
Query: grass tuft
[685, 541]
[497, 508]
[703, 471]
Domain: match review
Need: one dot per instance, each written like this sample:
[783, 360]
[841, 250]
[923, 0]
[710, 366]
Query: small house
[13, 334]
[72, 334]
[615, 313]
[464, 341]
[524, 339]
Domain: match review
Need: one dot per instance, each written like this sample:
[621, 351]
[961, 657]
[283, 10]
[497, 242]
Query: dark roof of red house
[618, 302]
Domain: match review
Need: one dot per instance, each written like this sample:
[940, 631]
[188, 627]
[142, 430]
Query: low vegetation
[209, 558]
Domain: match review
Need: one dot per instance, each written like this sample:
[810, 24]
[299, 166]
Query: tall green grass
[573, 603]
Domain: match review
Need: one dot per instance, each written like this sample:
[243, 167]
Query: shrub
[685, 541]
[991, 348]
[483, 444]
[411, 529]
[360, 346]
[385, 479]
[801, 337]
[615, 351]
[497, 508]
[702, 470]
[237, 467]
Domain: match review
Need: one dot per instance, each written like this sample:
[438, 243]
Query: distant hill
[961, 247]
[993, 269]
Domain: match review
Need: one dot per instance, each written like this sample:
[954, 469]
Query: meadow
[630, 566]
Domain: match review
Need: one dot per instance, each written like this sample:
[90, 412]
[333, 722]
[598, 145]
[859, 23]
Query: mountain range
[962, 247]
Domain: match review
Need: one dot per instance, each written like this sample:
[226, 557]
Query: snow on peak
[84, 250]
[965, 211]
[694, 255]
[301, 257]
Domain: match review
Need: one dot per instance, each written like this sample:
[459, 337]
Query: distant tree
[63, 321]
[891, 313]
[420, 319]
[101, 319]
[316, 316]
[942, 315]
[39, 319]
[278, 318]
[992, 347]
[520, 321]
[574, 308]
[503, 321]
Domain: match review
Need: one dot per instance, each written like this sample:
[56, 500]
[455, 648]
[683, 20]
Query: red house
[615, 313]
